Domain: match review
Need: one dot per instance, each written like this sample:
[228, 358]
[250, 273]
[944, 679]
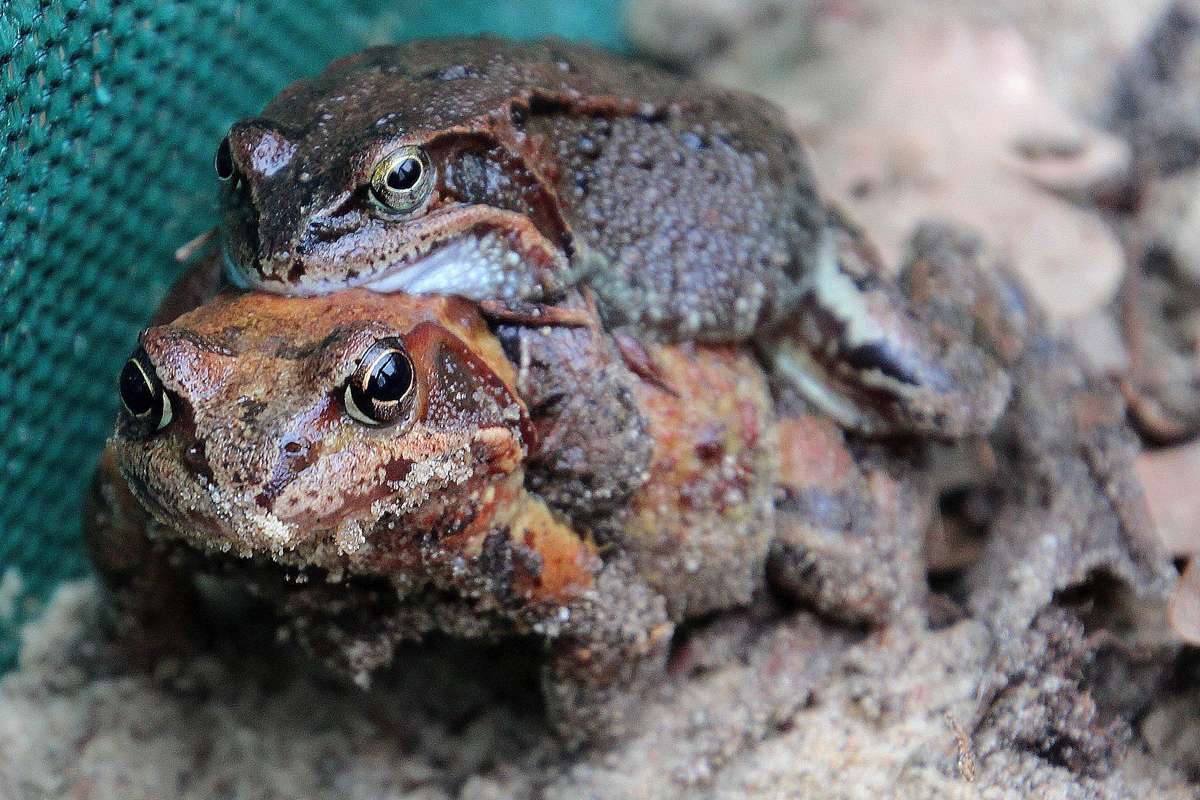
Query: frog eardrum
[377, 392]
[143, 396]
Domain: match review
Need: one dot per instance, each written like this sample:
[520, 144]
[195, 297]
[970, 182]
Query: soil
[1051, 651]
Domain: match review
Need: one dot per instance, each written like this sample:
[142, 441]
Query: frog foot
[857, 350]
[951, 394]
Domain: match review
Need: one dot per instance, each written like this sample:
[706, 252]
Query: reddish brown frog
[364, 461]
[507, 172]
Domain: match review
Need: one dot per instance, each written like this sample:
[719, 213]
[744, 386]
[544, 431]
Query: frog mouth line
[490, 254]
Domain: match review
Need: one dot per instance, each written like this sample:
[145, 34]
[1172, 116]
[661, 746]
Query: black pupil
[224, 160]
[404, 175]
[136, 392]
[390, 379]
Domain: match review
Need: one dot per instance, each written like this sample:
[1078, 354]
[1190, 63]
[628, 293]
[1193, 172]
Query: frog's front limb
[611, 648]
[856, 350]
[592, 443]
[154, 609]
[608, 633]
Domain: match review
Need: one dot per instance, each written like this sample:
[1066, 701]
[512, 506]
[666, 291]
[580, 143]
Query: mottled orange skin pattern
[706, 510]
[261, 460]
[429, 523]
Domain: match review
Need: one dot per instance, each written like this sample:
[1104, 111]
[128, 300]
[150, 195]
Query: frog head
[400, 168]
[353, 430]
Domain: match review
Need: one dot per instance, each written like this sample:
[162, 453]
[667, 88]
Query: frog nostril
[196, 458]
[296, 454]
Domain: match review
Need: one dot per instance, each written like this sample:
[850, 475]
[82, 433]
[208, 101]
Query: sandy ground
[796, 710]
[1069, 689]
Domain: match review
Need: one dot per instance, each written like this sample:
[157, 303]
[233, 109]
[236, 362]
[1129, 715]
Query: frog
[511, 172]
[363, 463]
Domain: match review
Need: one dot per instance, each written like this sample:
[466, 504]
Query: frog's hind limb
[856, 350]
[850, 523]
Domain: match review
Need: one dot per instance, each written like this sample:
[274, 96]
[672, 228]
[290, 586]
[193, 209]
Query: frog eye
[403, 180]
[223, 161]
[142, 394]
[375, 394]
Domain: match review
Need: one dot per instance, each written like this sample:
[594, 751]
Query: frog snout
[260, 196]
[258, 150]
[293, 457]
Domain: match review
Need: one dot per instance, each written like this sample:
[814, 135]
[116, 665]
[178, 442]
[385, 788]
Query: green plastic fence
[110, 115]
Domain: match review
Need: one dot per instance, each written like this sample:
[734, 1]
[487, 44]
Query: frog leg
[592, 448]
[858, 350]
[609, 653]
[849, 524]
[578, 310]
[608, 633]
[153, 607]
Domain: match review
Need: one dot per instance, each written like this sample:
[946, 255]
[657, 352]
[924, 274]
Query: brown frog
[364, 462]
[508, 172]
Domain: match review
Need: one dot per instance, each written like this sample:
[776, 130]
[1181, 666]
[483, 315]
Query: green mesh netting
[111, 112]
